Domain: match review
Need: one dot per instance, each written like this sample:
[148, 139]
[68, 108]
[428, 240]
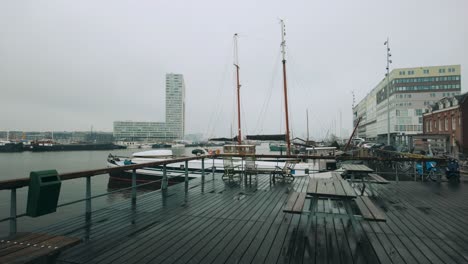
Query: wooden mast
[236, 64]
[283, 51]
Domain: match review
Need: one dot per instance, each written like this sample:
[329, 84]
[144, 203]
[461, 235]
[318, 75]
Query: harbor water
[19, 165]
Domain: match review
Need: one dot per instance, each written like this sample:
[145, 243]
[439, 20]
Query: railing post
[186, 177]
[203, 175]
[213, 168]
[13, 212]
[134, 189]
[396, 172]
[88, 199]
[164, 179]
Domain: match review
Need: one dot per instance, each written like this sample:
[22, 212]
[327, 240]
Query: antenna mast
[283, 51]
[236, 64]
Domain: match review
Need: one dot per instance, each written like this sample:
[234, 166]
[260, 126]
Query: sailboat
[239, 148]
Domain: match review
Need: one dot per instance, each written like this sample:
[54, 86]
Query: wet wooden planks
[233, 224]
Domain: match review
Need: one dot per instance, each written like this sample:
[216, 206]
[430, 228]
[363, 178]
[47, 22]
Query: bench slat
[21, 242]
[378, 179]
[348, 189]
[339, 188]
[312, 186]
[49, 247]
[25, 248]
[299, 202]
[295, 203]
[377, 214]
[366, 214]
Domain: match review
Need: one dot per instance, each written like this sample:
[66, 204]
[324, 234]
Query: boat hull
[74, 147]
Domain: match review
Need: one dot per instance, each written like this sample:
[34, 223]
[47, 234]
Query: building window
[446, 124]
[441, 70]
[426, 71]
[440, 124]
[430, 125]
[454, 124]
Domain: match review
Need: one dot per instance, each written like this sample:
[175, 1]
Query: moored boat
[8, 146]
[49, 145]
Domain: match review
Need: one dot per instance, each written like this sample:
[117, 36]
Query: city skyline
[87, 64]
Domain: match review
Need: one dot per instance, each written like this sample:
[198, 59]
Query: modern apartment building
[173, 128]
[411, 90]
[175, 105]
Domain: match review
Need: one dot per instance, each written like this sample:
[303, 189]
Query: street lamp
[387, 43]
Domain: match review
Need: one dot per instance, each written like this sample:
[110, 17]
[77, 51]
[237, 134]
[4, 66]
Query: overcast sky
[70, 65]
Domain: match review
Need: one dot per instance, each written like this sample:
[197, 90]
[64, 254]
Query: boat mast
[307, 115]
[283, 51]
[236, 64]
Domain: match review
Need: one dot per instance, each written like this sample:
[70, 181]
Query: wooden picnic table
[336, 189]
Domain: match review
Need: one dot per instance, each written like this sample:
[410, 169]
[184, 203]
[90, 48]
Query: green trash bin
[43, 193]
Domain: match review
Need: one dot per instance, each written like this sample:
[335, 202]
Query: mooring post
[186, 177]
[203, 175]
[88, 199]
[134, 189]
[13, 212]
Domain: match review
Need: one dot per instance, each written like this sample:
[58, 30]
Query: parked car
[377, 145]
[388, 148]
[367, 145]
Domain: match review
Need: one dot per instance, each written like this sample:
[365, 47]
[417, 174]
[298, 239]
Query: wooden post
[13, 227]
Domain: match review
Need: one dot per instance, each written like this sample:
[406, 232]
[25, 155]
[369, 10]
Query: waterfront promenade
[232, 223]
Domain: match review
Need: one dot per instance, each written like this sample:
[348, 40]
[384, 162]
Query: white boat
[195, 166]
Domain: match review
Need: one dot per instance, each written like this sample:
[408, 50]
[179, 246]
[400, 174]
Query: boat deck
[228, 223]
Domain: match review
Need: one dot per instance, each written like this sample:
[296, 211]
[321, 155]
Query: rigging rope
[266, 102]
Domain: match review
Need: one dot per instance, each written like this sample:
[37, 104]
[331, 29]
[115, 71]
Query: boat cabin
[321, 151]
[239, 149]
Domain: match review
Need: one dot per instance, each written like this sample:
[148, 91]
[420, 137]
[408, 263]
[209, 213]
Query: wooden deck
[426, 223]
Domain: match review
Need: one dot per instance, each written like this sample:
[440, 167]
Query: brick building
[449, 116]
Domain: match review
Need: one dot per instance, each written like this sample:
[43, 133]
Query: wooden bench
[295, 203]
[369, 210]
[34, 247]
[377, 179]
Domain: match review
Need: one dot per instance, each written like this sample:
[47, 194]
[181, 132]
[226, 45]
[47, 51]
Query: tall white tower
[175, 105]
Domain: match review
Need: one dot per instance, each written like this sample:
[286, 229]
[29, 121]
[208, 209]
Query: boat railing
[15, 184]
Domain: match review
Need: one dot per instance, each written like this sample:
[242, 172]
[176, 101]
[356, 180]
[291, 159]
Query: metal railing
[15, 184]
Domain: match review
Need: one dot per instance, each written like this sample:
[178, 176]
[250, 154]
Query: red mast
[283, 51]
[236, 64]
